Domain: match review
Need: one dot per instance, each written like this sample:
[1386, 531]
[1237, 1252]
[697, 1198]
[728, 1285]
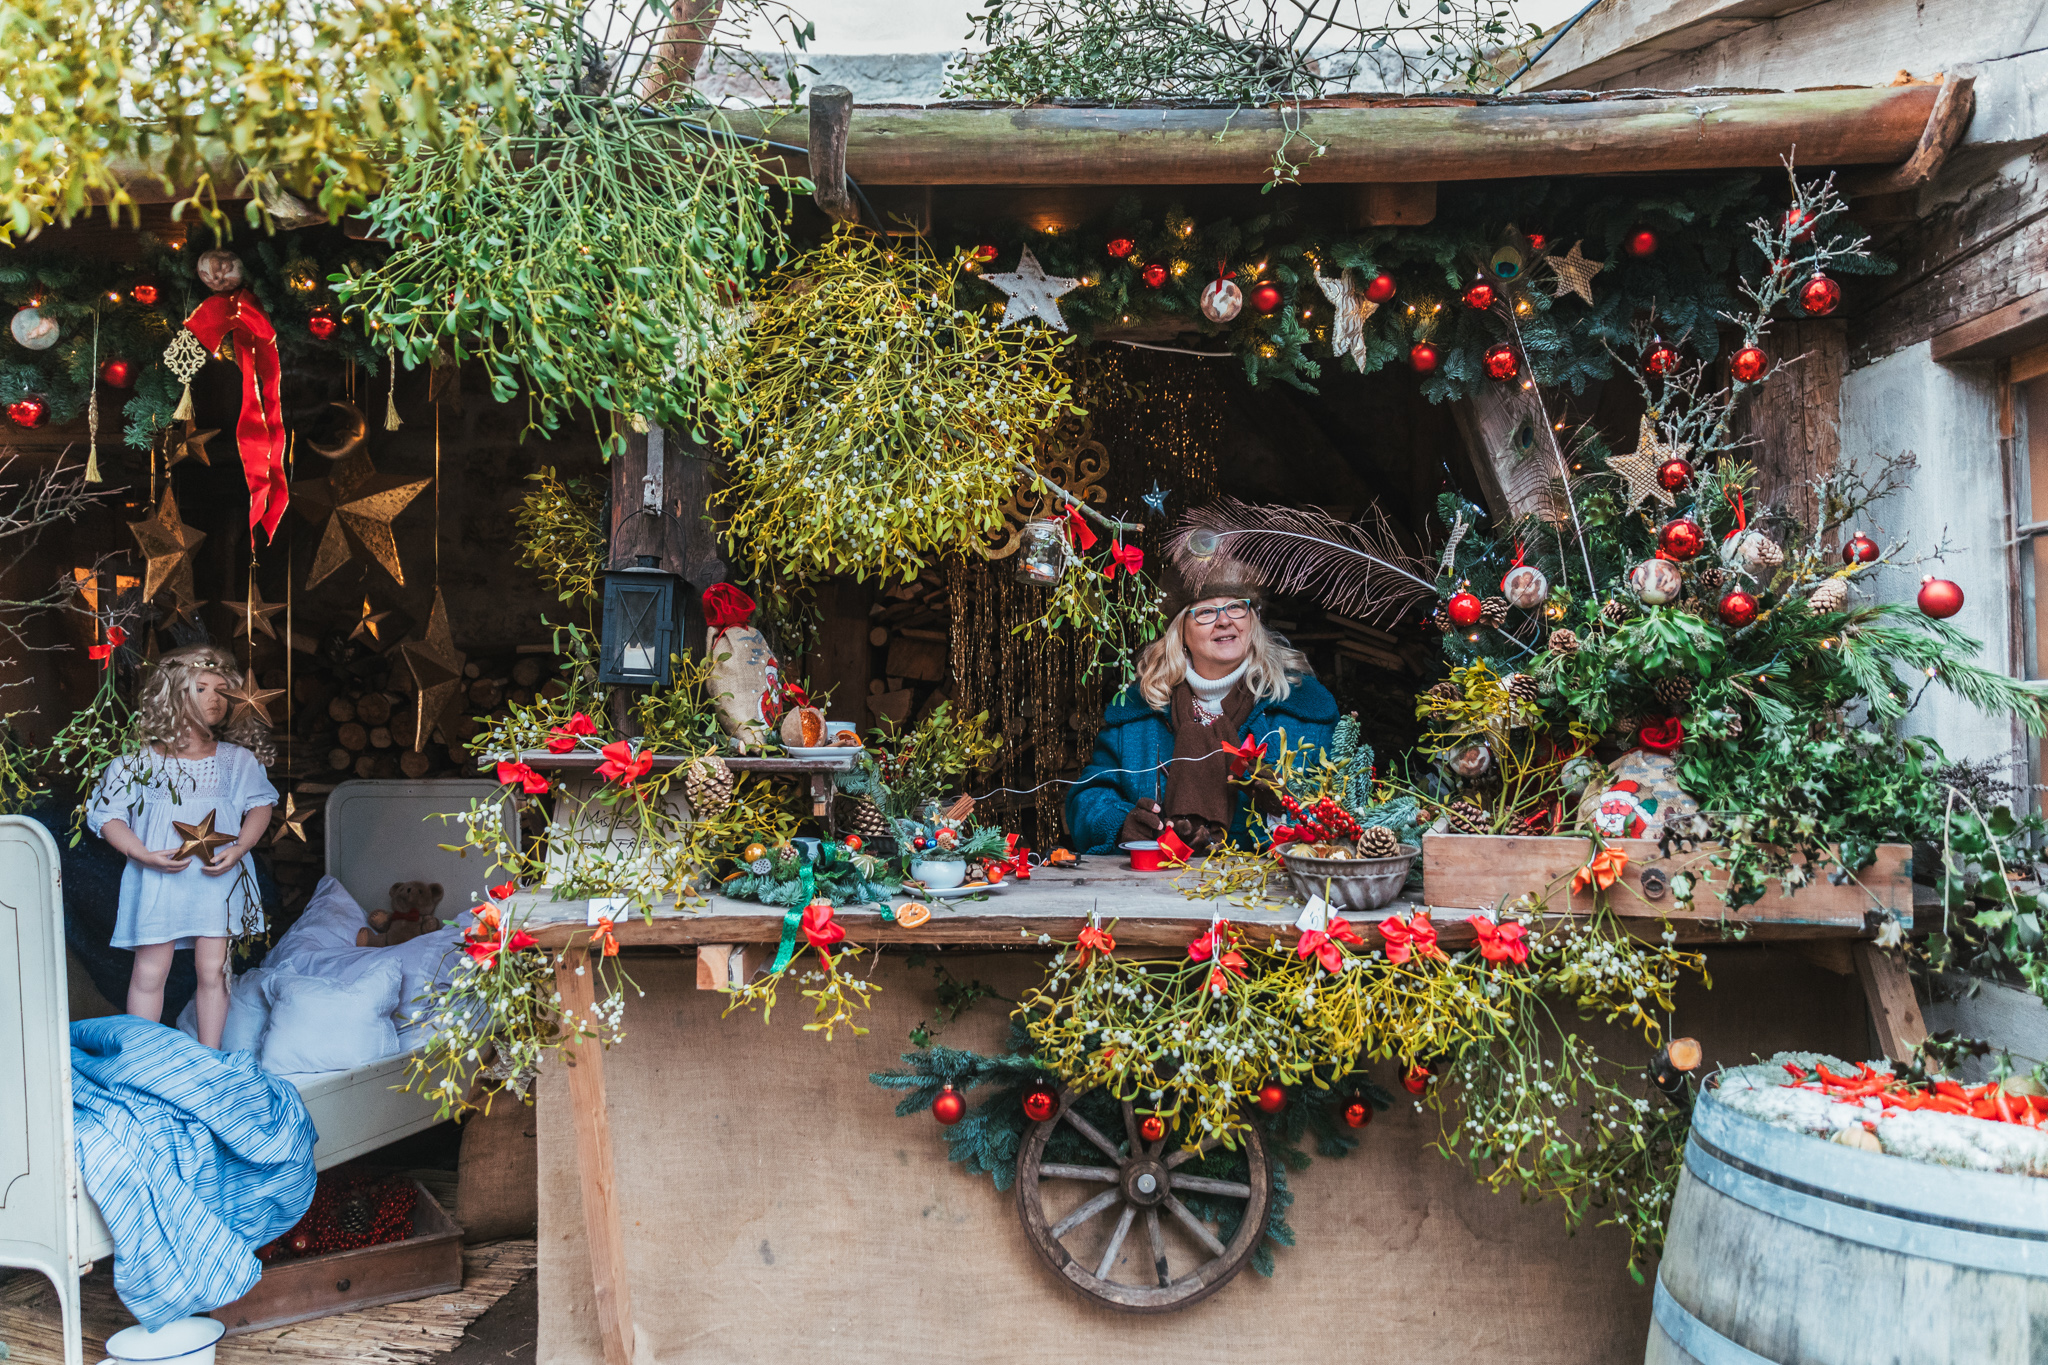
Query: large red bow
[529, 781]
[563, 738]
[1500, 942]
[1218, 936]
[1245, 754]
[1227, 962]
[1093, 940]
[1130, 556]
[1321, 944]
[116, 637]
[622, 765]
[259, 432]
[1417, 937]
[821, 931]
[1078, 529]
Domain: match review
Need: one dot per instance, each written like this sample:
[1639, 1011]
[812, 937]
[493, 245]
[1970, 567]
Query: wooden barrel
[1784, 1248]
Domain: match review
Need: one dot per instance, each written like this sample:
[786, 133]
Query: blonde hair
[1272, 663]
[166, 706]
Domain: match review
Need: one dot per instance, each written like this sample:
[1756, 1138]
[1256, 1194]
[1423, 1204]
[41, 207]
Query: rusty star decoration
[359, 505]
[167, 544]
[254, 611]
[189, 444]
[436, 669]
[1638, 468]
[291, 820]
[200, 840]
[1574, 273]
[251, 698]
[1352, 311]
[1032, 293]
[370, 625]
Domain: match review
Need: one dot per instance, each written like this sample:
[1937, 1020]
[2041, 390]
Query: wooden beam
[831, 118]
[2017, 326]
[1950, 118]
[1621, 36]
[575, 979]
[1797, 419]
[1894, 1009]
[1404, 205]
[1385, 141]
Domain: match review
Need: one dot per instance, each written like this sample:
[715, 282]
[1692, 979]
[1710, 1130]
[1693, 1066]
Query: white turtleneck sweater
[1210, 692]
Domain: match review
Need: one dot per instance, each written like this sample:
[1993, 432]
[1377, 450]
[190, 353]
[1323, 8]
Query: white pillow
[330, 920]
[426, 962]
[325, 1025]
[248, 1015]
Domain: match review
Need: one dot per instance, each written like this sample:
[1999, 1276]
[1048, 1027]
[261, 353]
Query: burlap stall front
[777, 1210]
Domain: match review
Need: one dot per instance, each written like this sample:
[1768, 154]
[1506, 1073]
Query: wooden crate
[428, 1262]
[1479, 871]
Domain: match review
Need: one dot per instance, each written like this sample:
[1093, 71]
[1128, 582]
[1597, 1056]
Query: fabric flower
[1507, 942]
[1662, 736]
[621, 764]
[1603, 870]
[529, 781]
[1416, 937]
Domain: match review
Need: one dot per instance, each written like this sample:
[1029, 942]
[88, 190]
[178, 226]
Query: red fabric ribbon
[1078, 529]
[1173, 846]
[1416, 938]
[1218, 935]
[1507, 942]
[563, 738]
[725, 605]
[259, 432]
[1663, 736]
[1129, 556]
[1244, 754]
[529, 781]
[622, 765]
[821, 931]
[1741, 518]
[116, 637]
[1093, 940]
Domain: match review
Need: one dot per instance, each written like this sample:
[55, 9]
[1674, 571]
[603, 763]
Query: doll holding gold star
[184, 806]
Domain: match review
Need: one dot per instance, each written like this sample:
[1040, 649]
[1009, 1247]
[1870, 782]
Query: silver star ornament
[1156, 499]
[1352, 310]
[1032, 293]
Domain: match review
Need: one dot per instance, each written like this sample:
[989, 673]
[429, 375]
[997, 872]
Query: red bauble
[1380, 287]
[1464, 609]
[1422, 357]
[1861, 549]
[1819, 295]
[1800, 225]
[1681, 538]
[301, 1243]
[1500, 362]
[119, 373]
[321, 325]
[1357, 1113]
[1272, 1097]
[950, 1107]
[1737, 609]
[28, 412]
[985, 252]
[1940, 598]
[1041, 1101]
[1153, 275]
[1151, 1128]
[1479, 297]
[1265, 296]
[1120, 247]
[1536, 240]
[1674, 474]
[1662, 359]
[1748, 364]
[144, 294]
[1417, 1080]
[1640, 243]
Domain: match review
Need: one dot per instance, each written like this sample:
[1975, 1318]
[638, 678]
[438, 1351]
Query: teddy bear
[411, 914]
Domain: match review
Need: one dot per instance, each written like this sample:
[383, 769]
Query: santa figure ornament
[745, 684]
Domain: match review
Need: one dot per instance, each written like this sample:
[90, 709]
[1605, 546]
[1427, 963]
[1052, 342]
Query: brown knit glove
[1142, 824]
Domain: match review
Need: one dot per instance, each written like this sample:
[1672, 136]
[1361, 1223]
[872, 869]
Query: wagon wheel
[1143, 1179]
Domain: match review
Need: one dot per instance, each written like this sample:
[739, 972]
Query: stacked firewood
[910, 629]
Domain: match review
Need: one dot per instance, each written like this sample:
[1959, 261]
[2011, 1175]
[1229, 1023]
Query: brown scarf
[1198, 781]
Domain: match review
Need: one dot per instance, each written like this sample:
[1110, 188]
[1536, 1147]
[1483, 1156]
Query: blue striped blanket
[195, 1158]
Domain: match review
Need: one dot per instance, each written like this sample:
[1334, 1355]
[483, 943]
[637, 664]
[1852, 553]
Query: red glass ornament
[321, 325]
[301, 1243]
[30, 412]
[1681, 538]
[950, 1107]
[1536, 241]
[1674, 474]
[1464, 609]
[1940, 598]
[1154, 275]
[1417, 1080]
[1662, 359]
[985, 252]
[1272, 1097]
[1120, 247]
[1357, 1113]
[1422, 357]
[1800, 225]
[1640, 243]
[1265, 297]
[1479, 297]
[1041, 1102]
[1380, 287]
[1749, 364]
[1151, 1128]
[1819, 296]
[119, 373]
[1501, 363]
[1861, 549]
[1737, 608]
[144, 293]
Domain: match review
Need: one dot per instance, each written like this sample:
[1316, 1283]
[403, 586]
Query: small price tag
[1315, 915]
[604, 907]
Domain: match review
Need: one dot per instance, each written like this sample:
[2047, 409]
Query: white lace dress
[147, 792]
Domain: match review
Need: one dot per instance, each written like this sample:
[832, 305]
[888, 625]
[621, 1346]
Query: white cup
[188, 1341]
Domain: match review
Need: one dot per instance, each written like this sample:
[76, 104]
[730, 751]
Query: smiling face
[209, 698]
[1217, 647]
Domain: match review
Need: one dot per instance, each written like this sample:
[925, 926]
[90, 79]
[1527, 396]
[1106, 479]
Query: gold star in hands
[291, 820]
[254, 611]
[369, 626]
[359, 505]
[1352, 310]
[201, 839]
[436, 669]
[1574, 273]
[1032, 292]
[167, 544]
[190, 445]
[249, 697]
[1638, 468]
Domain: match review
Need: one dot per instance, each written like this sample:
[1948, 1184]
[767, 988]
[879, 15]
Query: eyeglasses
[1231, 611]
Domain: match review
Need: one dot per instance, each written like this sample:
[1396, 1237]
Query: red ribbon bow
[821, 931]
[1078, 529]
[499, 892]
[1663, 736]
[1227, 962]
[1500, 942]
[116, 637]
[1093, 940]
[1217, 936]
[487, 941]
[622, 765]
[1416, 937]
[530, 782]
[606, 937]
[563, 738]
[1602, 870]
[1129, 556]
[1321, 944]
[1173, 846]
[259, 432]
[1245, 754]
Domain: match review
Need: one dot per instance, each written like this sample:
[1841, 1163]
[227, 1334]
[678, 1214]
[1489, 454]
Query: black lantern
[639, 625]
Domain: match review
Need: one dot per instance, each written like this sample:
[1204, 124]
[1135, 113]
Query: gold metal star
[190, 445]
[200, 839]
[359, 505]
[249, 697]
[1032, 293]
[254, 611]
[1638, 468]
[436, 669]
[1352, 311]
[1574, 273]
[369, 626]
[291, 820]
[167, 544]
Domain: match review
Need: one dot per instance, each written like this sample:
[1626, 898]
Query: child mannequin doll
[190, 762]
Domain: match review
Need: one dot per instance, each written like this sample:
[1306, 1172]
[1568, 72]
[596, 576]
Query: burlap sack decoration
[745, 682]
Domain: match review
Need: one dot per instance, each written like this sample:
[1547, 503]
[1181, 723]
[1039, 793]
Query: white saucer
[953, 891]
[822, 751]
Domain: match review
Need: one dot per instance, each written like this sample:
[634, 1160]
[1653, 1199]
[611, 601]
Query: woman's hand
[1195, 832]
[224, 861]
[1142, 824]
[159, 860]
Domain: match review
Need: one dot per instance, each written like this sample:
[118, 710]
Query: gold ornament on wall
[359, 505]
[167, 544]
[436, 669]
[1070, 458]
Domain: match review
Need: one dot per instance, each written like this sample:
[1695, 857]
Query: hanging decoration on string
[253, 613]
[167, 544]
[1032, 293]
[1351, 308]
[1221, 299]
[358, 505]
[435, 666]
[188, 444]
[1573, 273]
[1640, 468]
[259, 433]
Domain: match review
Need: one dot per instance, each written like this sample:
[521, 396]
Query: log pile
[910, 628]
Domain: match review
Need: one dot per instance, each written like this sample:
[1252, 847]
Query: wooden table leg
[594, 1164]
[1893, 1007]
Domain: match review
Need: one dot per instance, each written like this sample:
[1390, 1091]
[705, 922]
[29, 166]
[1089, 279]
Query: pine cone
[1493, 612]
[1522, 687]
[1708, 582]
[355, 1214]
[1467, 818]
[1378, 842]
[869, 822]
[1563, 642]
[1447, 691]
[1769, 554]
[708, 784]
[1674, 692]
[1440, 620]
[1831, 595]
[1615, 612]
[1735, 727]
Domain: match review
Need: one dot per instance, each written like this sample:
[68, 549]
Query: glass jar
[1042, 552]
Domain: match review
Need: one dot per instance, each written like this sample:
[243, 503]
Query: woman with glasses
[1215, 676]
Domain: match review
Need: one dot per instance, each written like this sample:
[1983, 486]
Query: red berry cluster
[1317, 824]
[388, 1202]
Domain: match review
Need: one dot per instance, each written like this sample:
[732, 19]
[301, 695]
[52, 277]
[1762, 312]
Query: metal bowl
[1355, 884]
